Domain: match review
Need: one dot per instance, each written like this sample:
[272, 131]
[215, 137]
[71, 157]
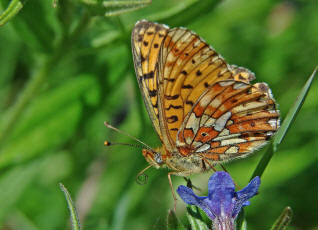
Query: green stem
[39, 77]
[14, 7]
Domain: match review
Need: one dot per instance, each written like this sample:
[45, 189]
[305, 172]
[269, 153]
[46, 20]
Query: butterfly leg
[177, 173]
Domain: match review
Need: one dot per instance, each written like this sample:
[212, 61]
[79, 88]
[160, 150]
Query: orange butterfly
[204, 110]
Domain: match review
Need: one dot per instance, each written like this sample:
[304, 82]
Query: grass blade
[71, 207]
[173, 222]
[115, 8]
[14, 7]
[195, 219]
[283, 220]
[290, 117]
[292, 113]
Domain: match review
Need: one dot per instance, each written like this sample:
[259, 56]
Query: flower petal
[245, 194]
[250, 190]
[221, 194]
[189, 197]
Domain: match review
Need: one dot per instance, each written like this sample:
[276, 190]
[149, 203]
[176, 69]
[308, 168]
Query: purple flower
[222, 204]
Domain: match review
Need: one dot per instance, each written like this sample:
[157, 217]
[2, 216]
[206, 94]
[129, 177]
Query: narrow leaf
[283, 220]
[71, 207]
[262, 164]
[291, 115]
[14, 7]
[184, 13]
[173, 222]
[195, 219]
[240, 220]
[115, 8]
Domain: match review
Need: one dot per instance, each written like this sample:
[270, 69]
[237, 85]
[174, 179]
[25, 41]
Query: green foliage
[65, 68]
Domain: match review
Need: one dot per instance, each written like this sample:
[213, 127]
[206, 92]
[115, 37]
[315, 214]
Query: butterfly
[204, 110]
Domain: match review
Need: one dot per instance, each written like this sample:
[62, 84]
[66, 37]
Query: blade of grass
[195, 219]
[292, 113]
[290, 117]
[115, 8]
[173, 222]
[71, 207]
[240, 220]
[14, 7]
[283, 220]
[184, 13]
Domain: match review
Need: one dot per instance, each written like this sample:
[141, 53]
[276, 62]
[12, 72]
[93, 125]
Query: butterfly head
[154, 157]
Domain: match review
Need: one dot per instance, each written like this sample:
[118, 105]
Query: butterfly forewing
[146, 42]
[188, 65]
[197, 102]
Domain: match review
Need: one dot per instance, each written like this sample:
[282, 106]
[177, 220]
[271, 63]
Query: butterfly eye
[157, 158]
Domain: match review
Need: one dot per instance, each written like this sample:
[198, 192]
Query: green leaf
[184, 13]
[292, 113]
[195, 219]
[283, 220]
[240, 220]
[13, 183]
[173, 222]
[71, 207]
[290, 117]
[115, 8]
[14, 7]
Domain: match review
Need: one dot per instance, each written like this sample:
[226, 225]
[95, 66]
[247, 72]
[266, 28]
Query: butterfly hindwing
[229, 120]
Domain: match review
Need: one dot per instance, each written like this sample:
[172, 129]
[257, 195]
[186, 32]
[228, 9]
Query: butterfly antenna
[106, 143]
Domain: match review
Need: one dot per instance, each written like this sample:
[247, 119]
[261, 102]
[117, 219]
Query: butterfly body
[204, 110]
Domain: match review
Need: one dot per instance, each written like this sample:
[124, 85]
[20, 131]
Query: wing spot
[156, 45]
[152, 93]
[189, 102]
[149, 75]
[150, 33]
[172, 119]
[169, 79]
[193, 61]
[184, 72]
[198, 73]
[145, 43]
[187, 87]
[172, 97]
[140, 37]
[206, 85]
[174, 107]
[252, 124]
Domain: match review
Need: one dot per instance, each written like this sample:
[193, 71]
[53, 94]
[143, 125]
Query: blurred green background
[65, 68]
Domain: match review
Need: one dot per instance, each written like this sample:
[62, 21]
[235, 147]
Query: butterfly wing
[230, 120]
[187, 66]
[146, 41]
[189, 90]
